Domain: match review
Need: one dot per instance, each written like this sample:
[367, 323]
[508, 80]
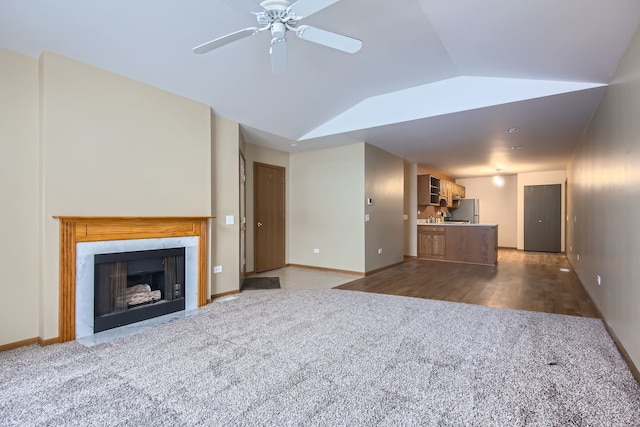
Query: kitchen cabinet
[466, 243]
[432, 242]
[432, 190]
[446, 193]
[428, 190]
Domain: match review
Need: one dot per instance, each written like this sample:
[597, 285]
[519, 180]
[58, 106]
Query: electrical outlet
[316, 251]
[379, 251]
[578, 256]
[599, 279]
[217, 269]
[366, 217]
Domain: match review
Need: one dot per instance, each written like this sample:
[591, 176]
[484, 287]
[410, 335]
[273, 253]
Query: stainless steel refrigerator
[468, 211]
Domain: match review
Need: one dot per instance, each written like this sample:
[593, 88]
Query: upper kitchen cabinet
[436, 191]
[446, 197]
[428, 190]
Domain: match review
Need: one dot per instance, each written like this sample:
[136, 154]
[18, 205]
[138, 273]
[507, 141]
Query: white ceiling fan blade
[303, 8]
[327, 38]
[250, 5]
[221, 41]
[278, 55]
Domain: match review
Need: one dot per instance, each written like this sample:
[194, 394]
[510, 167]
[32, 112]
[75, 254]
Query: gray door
[542, 217]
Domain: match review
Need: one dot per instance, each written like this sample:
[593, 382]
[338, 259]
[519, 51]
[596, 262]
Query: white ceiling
[412, 90]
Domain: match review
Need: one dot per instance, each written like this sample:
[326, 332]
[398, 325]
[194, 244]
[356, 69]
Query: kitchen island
[467, 243]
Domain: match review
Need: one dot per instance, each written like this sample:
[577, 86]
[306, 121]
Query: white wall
[384, 183]
[498, 205]
[20, 194]
[539, 178]
[326, 208]
[253, 154]
[604, 204]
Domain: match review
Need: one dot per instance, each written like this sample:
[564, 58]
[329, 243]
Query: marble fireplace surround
[116, 234]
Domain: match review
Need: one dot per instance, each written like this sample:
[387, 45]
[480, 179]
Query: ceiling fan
[281, 16]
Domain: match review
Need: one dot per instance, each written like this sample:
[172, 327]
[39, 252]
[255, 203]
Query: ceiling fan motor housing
[275, 5]
[277, 30]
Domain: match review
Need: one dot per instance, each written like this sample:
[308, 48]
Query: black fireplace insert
[133, 286]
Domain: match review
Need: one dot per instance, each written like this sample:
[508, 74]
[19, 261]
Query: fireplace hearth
[133, 286]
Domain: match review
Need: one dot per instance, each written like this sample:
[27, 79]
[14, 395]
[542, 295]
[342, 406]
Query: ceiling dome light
[498, 180]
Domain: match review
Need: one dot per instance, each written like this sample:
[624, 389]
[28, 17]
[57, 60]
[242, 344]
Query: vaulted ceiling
[437, 82]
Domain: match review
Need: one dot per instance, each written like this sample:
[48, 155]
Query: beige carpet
[331, 357]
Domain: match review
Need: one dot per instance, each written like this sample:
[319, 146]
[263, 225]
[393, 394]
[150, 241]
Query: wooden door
[269, 217]
[243, 220]
[542, 218]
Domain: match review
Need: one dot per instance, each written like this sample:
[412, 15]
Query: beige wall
[107, 146]
[20, 195]
[326, 208]
[539, 178]
[225, 201]
[604, 204]
[255, 153]
[113, 146]
[410, 209]
[384, 183]
[498, 205]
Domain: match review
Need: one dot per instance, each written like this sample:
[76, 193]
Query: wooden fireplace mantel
[75, 229]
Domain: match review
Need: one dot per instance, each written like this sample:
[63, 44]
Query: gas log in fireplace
[134, 286]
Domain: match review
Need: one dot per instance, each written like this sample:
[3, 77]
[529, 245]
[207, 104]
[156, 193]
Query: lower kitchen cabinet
[432, 242]
[468, 243]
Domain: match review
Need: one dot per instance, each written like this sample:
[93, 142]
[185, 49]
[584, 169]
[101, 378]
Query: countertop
[449, 224]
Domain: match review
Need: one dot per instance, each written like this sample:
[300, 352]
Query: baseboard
[29, 341]
[410, 257]
[17, 344]
[378, 270]
[49, 341]
[331, 270]
[224, 294]
[623, 351]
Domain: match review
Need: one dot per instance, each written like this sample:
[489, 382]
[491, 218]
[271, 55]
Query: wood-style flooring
[522, 280]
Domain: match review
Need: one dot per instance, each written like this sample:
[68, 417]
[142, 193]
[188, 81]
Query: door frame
[242, 209]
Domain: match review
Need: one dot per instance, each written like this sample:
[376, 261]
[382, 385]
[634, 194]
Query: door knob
[259, 224]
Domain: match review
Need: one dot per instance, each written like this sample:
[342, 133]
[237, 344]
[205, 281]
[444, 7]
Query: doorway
[269, 217]
[542, 218]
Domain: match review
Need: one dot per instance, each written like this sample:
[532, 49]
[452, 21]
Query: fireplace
[82, 238]
[133, 286]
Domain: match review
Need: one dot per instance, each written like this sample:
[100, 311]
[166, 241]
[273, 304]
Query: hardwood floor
[521, 280]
